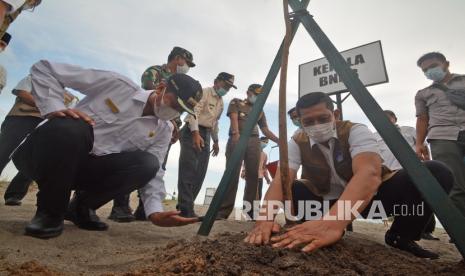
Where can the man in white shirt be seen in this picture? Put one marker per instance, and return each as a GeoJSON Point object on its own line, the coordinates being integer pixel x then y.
{"type": "Point", "coordinates": [341, 166]}
{"type": "Point", "coordinates": [111, 143]}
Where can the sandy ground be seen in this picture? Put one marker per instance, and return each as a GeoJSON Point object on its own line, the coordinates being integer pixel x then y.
{"type": "Point", "coordinates": [125, 246]}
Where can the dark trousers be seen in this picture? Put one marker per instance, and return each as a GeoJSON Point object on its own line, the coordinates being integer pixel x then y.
{"type": "Point", "coordinates": [452, 153]}
{"type": "Point", "coordinates": [251, 160]}
{"type": "Point", "coordinates": [193, 167]}
{"type": "Point", "coordinates": [14, 129]}
{"type": "Point", "coordinates": [123, 200]}
{"type": "Point", "coordinates": [393, 193]}
{"type": "Point", "coordinates": [56, 155]}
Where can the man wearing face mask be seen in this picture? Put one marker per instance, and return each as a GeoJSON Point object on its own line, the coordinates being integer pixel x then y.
{"type": "Point", "coordinates": [238, 112]}
{"type": "Point", "coordinates": [195, 142]}
{"type": "Point", "coordinates": [110, 144]}
{"type": "Point", "coordinates": [295, 119]}
{"type": "Point", "coordinates": [179, 61]}
{"type": "Point", "coordinates": [341, 166]}
{"type": "Point", "coordinates": [442, 120]}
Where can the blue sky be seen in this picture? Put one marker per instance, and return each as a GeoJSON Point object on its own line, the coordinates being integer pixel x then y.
{"type": "Point", "coordinates": [240, 37]}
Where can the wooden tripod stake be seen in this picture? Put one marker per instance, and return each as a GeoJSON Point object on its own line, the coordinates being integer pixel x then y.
{"type": "Point", "coordinates": [283, 152]}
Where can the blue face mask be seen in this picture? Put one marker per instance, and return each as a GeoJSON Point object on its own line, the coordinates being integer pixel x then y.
{"type": "Point", "coordinates": [435, 74]}
{"type": "Point", "coordinates": [221, 92]}
{"type": "Point", "coordinates": [263, 145]}
{"type": "Point", "coordinates": [296, 122]}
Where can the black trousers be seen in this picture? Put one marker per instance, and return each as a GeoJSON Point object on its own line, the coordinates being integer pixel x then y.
{"type": "Point", "coordinates": [14, 130]}
{"type": "Point", "coordinates": [56, 155]}
{"type": "Point", "coordinates": [394, 193]}
{"type": "Point", "coordinates": [193, 167]}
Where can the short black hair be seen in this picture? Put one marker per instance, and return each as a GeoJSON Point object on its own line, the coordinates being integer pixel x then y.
{"type": "Point", "coordinates": [313, 99]}
{"type": "Point", "coordinates": [390, 113]}
{"type": "Point", "coordinates": [431, 55]}
{"type": "Point", "coordinates": [291, 111]}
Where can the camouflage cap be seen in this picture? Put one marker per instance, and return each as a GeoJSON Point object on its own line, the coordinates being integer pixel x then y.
{"type": "Point", "coordinates": [188, 91]}
{"type": "Point", "coordinates": [178, 51]}
{"type": "Point", "coordinates": [255, 88]}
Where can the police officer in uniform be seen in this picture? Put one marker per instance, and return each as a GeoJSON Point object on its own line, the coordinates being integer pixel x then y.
{"type": "Point", "coordinates": [179, 61]}
{"type": "Point", "coordinates": [112, 143]}
{"type": "Point", "coordinates": [20, 121]}
{"type": "Point", "coordinates": [238, 112]}
{"type": "Point", "coordinates": [195, 142]}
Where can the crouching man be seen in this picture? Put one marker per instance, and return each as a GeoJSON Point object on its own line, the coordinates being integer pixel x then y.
{"type": "Point", "coordinates": [341, 167]}
{"type": "Point", "coordinates": [110, 144]}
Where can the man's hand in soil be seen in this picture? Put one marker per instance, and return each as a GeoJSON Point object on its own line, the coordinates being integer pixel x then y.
{"type": "Point", "coordinates": [171, 218]}
{"type": "Point", "coordinates": [262, 231]}
{"type": "Point", "coordinates": [73, 113]}
{"type": "Point", "coordinates": [313, 234]}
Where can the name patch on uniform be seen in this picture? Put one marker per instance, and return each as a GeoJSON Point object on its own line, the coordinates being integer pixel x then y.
{"type": "Point", "coordinates": [111, 105]}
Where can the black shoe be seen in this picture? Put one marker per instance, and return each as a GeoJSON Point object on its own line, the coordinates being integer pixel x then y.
{"type": "Point", "coordinates": [139, 214]}
{"type": "Point", "coordinates": [409, 246]}
{"type": "Point", "coordinates": [188, 213]}
{"type": "Point", "coordinates": [44, 226]}
{"type": "Point", "coordinates": [121, 214]}
{"type": "Point", "coordinates": [83, 217]}
{"type": "Point", "coordinates": [429, 236]}
{"type": "Point", "coordinates": [12, 201]}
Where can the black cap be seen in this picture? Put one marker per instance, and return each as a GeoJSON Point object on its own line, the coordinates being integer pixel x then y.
{"type": "Point", "coordinates": [188, 90]}
{"type": "Point", "coordinates": [178, 51]}
{"type": "Point", "coordinates": [226, 77]}
{"type": "Point", "coordinates": [6, 38]}
{"type": "Point", "coordinates": [255, 88]}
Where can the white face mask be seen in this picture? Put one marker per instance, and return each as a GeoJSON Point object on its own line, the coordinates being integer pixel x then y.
{"type": "Point", "coordinates": [165, 112]}
{"type": "Point", "coordinates": [252, 99]}
{"type": "Point", "coordinates": [320, 133]}
{"type": "Point", "coordinates": [182, 69]}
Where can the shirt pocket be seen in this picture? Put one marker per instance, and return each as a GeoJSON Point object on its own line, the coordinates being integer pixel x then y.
{"type": "Point", "coordinates": [143, 134]}
{"type": "Point", "coordinates": [103, 112]}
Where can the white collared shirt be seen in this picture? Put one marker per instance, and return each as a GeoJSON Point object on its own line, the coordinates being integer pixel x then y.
{"type": "Point", "coordinates": [361, 140]}
{"type": "Point", "coordinates": [116, 104]}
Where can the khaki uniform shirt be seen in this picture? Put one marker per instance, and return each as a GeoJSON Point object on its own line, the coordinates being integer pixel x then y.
{"type": "Point", "coordinates": [445, 119]}
{"type": "Point", "coordinates": [243, 109]}
{"type": "Point", "coordinates": [208, 111]}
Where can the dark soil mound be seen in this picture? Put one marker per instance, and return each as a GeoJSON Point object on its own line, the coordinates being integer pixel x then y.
{"type": "Point", "coordinates": [228, 255]}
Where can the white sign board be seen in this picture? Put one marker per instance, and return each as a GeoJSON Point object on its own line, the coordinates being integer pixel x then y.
{"type": "Point", "coordinates": [320, 76]}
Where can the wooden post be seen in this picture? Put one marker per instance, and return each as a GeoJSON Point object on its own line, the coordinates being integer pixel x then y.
{"type": "Point", "coordinates": [283, 152]}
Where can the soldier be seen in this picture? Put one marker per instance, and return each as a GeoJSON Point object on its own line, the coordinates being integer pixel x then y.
{"type": "Point", "coordinates": [238, 112]}
{"type": "Point", "coordinates": [20, 121]}
{"type": "Point", "coordinates": [179, 61]}
{"type": "Point", "coordinates": [110, 144]}
{"type": "Point", "coordinates": [195, 142]}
